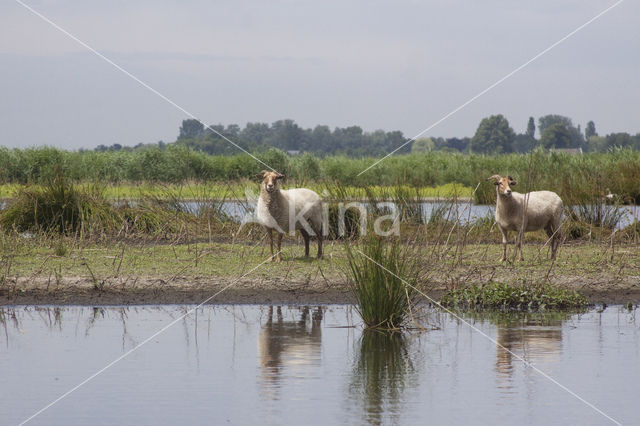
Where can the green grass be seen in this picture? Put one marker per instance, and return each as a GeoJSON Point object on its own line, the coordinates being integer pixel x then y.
{"type": "Point", "coordinates": [36, 258]}
{"type": "Point", "coordinates": [579, 178]}
{"type": "Point", "coordinates": [58, 206]}
{"type": "Point", "coordinates": [377, 275]}
{"type": "Point", "coordinates": [237, 189]}
{"type": "Point", "coordinates": [519, 297]}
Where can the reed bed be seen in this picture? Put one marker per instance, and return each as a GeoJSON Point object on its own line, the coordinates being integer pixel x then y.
{"type": "Point", "coordinates": [577, 178]}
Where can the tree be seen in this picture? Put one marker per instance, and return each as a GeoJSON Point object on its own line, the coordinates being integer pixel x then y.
{"type": "Point", "coordinates": [286, 135]}
{"type": "Point", "coordinates": [321, 139]}
{"type": "Point", "coordinates": [494, 135]}
{"type": "Point", "coordinates": [619, 140]}
{"type": "Point", "coordinates": [531, 128]}
{"type": "Point", "coordinates": [590, 130]}
{"type": "Point", "coordinates": [556, 136]}
{"type": "Point", "coordinates": [191, 129]}
{"type": "Point", "coordinates": [255, 133]}
{"type": "Point", "coordinates": [422, 145]}
{"type": "Point", "coordinates": [524, 143]}
{"type": "Point", "coordinates": [596, 144]}
{"type": "Point", "coordinates": [577, 139]}
{"type": "Point", "coordinates": [458, 144]}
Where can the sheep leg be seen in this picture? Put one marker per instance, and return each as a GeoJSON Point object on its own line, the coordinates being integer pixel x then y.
{"type": "Point", "coordinates": [319, 245]}
{"type": "Point", "coordinates": [305, 236]}
{"type": "Point", "coordinates": [279, 243]}
{"type": "Point", "coordinates": [554, 233]}
{"type": "Point", "coordinates": [504, 243]}
{"type": "Point", "coordinates": [270, 235]}
{"type": "Point", "coordinates": [317, 230]}
{"type": "Point", "coordinates": [558, 241]}
{"type": "Point", "coordinates": [519, 245]}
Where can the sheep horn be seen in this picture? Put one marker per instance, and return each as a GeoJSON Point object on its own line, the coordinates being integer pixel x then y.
{"type": "Point", "coordinates": [496, 177]}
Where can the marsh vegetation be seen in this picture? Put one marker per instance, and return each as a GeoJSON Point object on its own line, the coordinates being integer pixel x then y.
{"type": "Point", "coordinates": [61, 232]}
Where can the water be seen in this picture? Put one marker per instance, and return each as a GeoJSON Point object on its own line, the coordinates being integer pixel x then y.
{"type": "Point", "coordinates": [296, 365]}
{"type": "Point", "coordinates": [462, 212]}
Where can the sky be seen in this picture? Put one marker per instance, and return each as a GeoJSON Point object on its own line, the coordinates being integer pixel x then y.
{"type": "Point", "coordinates": [391, 65]}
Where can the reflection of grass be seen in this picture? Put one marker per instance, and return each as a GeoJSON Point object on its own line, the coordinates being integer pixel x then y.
{"type": "Point", "coordinates": [504, 296]}
{"type": "Point", "coordinates": [512, 319]}
{"type": "Point", "coordinates": [384, 367]}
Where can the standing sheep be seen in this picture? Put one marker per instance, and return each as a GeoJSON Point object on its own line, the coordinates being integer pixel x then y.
{"type": "Point", "coordinates": [527, 212]}
{"type": "Point", "coordinates": [287, 211]}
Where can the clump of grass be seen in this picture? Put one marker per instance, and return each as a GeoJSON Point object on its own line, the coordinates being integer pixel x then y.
{"type": "Point", "coordinates": [377, 274]}
{"type": "Point", "coordinates": [59, 206]}
{"type": "Point", "coordinates": [60, 248]}
{"type": "Point", "coordinates": [348, 227]}
{"type": "Point", "coordinates": [409, 205]}
{"type": "Point", "coordinates": [597, 213]}
{"type": "Point", "coordinates": [509, 297]}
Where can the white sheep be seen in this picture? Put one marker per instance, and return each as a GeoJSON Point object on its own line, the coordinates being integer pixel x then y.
{"type": "Point", "coordinates": [538, 210]}
{"type": "Point", "coordinates": [286, 211]}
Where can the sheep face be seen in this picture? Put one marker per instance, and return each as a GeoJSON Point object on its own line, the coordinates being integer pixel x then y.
{"type": "Point", "coordinates": [270, 180]}
{"type": "Point", "coordinates": [504, 184]}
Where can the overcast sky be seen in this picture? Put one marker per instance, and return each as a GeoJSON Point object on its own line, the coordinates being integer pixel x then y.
{"type": "Point", "coordinates": [392, 65]}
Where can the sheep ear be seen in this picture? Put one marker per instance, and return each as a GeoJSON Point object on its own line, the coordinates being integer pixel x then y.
{"type": "Point", "coordinates": [512, 181]}
{"type": "Point", "coordinates": [261, 174]}
{"type": "Point", "coordinates": [280, 176]}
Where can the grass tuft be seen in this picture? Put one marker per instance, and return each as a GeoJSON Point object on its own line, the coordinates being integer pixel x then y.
{"type": "Point", "coordinates": [59, 206]}
{"type": "Point", "coordinates": [383, 299]}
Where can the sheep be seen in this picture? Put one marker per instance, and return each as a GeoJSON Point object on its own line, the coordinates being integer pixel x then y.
{"type": "Point", "coordinates": [543, 211]}
{"type": "Point", "coordinates": [287, 211]}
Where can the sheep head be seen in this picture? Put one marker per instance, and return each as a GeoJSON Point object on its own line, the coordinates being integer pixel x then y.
{"type": "Point", "coordinates": [270, 180]}
{"type": "Point", "coordinates": [503, 184]}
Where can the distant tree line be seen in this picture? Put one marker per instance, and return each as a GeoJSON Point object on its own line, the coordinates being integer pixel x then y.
{"type": "Point", "coordinates": [494, 135]}
{"type": "Point", "coordinates": [286, 135]}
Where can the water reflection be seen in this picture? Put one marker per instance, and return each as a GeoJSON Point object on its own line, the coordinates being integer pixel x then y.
{"type": "Point", "coordinates": [269, 365]}
{"type": "Point", "coordinates": [384, 367]}
{"type": "Point", "coordinates": [537, 337]}
{"type": "Point", "coordinates": [53, 319]}
{"type": "Point", "coordinates": [287, 348]}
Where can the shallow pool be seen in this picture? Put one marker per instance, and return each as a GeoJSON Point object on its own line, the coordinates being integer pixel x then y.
{"type": "Point", "coordinates": [315, 365]}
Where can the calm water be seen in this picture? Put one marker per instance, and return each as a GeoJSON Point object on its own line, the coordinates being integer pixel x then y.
{"type": "Point", "coordinates": [462, 212]}
{"type": "Point", "coordinates": [296, 365]}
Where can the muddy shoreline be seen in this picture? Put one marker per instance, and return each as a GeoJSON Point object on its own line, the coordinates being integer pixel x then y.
{"type": "Point", "coordinates": [155, 291]}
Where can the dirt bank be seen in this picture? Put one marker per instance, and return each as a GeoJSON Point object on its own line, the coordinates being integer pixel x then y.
{"type": "Point", "coordinates": [218, 290]}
